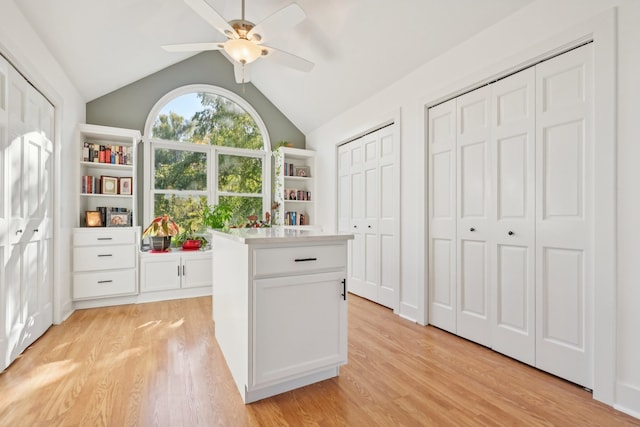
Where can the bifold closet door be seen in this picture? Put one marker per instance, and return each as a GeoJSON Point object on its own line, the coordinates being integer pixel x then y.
{"type": "Point", "coordinates": [443, 305]}
{"type": "Point", "coordinates": [513, 189]}
{"type": "Point", "coordinates": [368, 200]}
{"type": "Point", "coordinates": [564, 218]}
{"type": "Point", "coordinates": [475, 216]}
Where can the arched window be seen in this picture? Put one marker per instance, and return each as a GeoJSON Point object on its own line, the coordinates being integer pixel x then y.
{"type": "Point", "coordinates": [205, 145]}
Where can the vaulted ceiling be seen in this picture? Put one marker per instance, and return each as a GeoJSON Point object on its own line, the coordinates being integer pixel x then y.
{"type": "Point", "coordinates": [358, 46]}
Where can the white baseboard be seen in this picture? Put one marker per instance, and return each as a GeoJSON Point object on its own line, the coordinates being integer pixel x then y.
{"type": "Point", "coordinates": [409, 312]}
{"type": "Point", "coordinates": [628, 399]}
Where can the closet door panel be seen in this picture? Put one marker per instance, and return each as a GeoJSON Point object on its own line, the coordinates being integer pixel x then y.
{"type": "Point", "coordinates": [356, 208]}
{"type": "Point", "coordinates": [370, 150]}
{"type": "Point", "coordinates": [564, 217]}
{"type": "Point", "coordinates": [344, 189]}
{"type": "Point", "coordinates": [443, 216]}
{"type": "Point", "coordinates": [475, 224]}
{"type": "Point", "coordinates": [513, 187]}
{"type": "Point", "coordinates": [388, 205]}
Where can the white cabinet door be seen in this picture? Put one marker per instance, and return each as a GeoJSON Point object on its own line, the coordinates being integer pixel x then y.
{"type": "Point", "coordinates": [161, 272]}
{"type": "Point", "coordinates": [513, 189]}
{"type": "Point", "coordinates": [196, 271]}
{"type": "Point", "coordinates": [475, 224]}
{"type": "Point", "coordinates": [317, 338]}
{"type": "Point", "coordinates": [564, 219]}
{"type": "Point", "coordinates": [443, 217]}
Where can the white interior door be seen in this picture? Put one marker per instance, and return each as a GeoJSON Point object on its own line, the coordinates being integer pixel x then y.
{"type": "Point", "coordinates": [475, 224]}
{"type": "Point", "coordinates": [368, 204]}
{"type": "Point", "coordinates": [443, 216]}
{"type": "Point", "coordinates": [4, 188]}
{"type": "Point", "coordinates": [513, 187]}
{"type": "Point", "coordinates": [371, 189]}
{"type": "Point", "coordinates": [388, 201]}
{"type": "Point", "coordinates": [356, 282]}
{"type": "Point", "coordinates": [28, 265]}
{"type": "Point", "coordinates": [564, 219]}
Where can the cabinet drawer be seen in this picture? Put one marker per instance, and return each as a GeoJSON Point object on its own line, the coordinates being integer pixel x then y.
{"type": "Point", "coordinates": [104, 236]}
{"type": "Point", "coordinates": [104, 283]}
{"type": "Point", "coordinates": [106, 257]}
{"type": "Point", "coordinates": [299, 259]}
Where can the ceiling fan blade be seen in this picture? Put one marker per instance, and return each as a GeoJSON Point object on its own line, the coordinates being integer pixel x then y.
{"type": "Point", "coordinates": [202, 8]}
{"type": "Point", "coordinates": [242, 72]}
{"type": "Point", "coordinates": [288, 59]}
{"type": "Point", "coordinates": [278, 22]}
{"type": "Point", "coordinates": [192, 47]}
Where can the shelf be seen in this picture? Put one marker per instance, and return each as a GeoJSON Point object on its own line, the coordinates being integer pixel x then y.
{"type": "Point", "coordinates": [123, 196]}
{"type": "Point", "coordinates": [298, 178]}
{"type": "Point", "coordinates": [114, 166]}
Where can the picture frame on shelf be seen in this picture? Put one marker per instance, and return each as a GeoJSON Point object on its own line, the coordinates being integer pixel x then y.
{"type": "Point", "coordinates": [92, 219]}
{"type": "Point", "coordinates": [302, 171]}
{"type": "Point", "coordinates": [125, 186]}
{"type": "Point", "coordinates": [109, 184]}
{"type": "Point", "coordinates": [118, 219]}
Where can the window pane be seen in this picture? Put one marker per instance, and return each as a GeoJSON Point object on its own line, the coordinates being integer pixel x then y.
{"type": "Point", "coordinates": [207, 118]}
{"type": "Point", "coordinates": [180, 170]}
{"type": "Point", "coordinates": [242, 207]}
{"type": "Point", "coordinates": [184, 210]}
{"type": "Point", "coordinates": [239, 174]}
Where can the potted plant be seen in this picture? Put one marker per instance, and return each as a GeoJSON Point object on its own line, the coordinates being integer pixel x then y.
{"type": "Point", "coordinates": [217, 216]}
{"type": "Point", "coordinates": [160, 231]}
{"type": "Point", "coordinates": [190, 241]}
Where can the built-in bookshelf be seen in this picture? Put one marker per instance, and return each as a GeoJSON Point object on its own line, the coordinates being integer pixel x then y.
{"type": "Point", "coordinates": [107, 179]}
{"type": "Point", "coordinates": [295, 187]}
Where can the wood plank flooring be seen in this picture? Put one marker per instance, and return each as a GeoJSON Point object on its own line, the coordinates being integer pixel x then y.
{"type": "Point", "coordinates": [158, 364]}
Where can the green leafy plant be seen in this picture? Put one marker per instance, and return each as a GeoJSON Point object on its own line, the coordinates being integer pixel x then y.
{"type": "Point", "coordinates": [217, 216]}
{"type": "Point", "coordinates": [161, 226]}
{"type": "Point", "coordinates": [185, 235]}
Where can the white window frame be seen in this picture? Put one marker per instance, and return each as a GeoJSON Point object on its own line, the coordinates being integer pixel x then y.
{"type": "Point", "coordinates": [150, 144]}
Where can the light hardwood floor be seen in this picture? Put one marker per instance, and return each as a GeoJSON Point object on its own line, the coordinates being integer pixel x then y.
{"type": "Point", "coordinates": [159, 364]}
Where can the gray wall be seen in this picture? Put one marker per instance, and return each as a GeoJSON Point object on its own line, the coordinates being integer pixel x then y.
{"type": "Point", "coordinates": [129, 106]}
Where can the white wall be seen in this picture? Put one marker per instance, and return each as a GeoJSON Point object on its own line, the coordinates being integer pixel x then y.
{"type": "Point", "coordinates": [24, 49]}
{"type": "Point", "coordinates": [499, 48]}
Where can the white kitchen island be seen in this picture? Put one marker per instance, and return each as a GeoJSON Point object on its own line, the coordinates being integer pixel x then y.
{"type": "Point", "coordinates": [280, 307]}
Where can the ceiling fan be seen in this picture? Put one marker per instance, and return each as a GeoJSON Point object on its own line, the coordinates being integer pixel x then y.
{"type": "Point", "coordinates": [245, 39]}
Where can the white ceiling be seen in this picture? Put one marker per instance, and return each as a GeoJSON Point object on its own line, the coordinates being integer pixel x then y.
{"type": "Point", "coordinates": [358, 46]}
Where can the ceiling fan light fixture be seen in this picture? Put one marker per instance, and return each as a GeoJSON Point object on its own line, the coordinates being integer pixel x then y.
{"type": "Point", "coordinates": [242, 50]}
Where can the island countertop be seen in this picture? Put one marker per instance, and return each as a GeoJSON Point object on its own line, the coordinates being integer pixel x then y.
{"type": "Point", "coordinates": [279, 235]}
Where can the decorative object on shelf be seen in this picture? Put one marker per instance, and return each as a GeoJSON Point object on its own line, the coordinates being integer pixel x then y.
{"type": "Point", "coordinates": [109, 184]}
{"type": "Point", "coordinates": [302, 171]}
{"type": "Point", "coordinates": [93, 219]}
{"type": "Point", "coordinates": [118, 219]}
{"type": "Point", "coordinates": [190, 241]}
{"type": "Point", "coordinates": [252, 222]}
{"type": "Point", "coordinates": [217, 216]}
{"type": "Point", "coordinates": [160, 232]}
{"type": "Point", "coordinates": [125, 185]}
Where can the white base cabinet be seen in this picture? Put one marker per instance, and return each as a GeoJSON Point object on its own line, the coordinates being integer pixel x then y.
{"type": "Point", "coordinates": [280, 310]}
{"type": "Point", "coordinates": [104, 262]}
{"type": "Point", "coordinates": [175, 270]}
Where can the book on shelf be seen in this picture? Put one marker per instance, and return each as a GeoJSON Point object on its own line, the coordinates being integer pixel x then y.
{"type": "Point", "coordinates": [295, 194]}
{"type": "Point", "coordinates": [295, 218]}
{"type": "Point", "coordinates": [110, 154]}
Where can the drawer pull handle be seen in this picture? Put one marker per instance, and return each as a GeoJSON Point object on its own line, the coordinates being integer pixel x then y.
{"type": "Point", "coordinates": [305, 259]}
{"type": "Point", "coordinates": [344, 289]}
{"type": "Point", "coordinates": [105, 281]}
{"type": "Point", "coordinates": [184, 273]}
{"type": "Point", "coordinates": [104, 255]}
{"type": "Point", "coordinates": [105, 238]}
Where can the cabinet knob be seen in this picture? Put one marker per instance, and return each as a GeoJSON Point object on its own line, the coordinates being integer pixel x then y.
{"type": "Point", "coordinates": [368, 226]}
{"type": "Point", "coordinates": [355, 226]}
{"type": "Point", "coordinates": [19, 231]}
{"type": "Point", "coordinates": [472, 229]}
{"type": "Point", "coordinates": [510, 233]}
{"type": "Point", "coordinates": [35, 230]}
